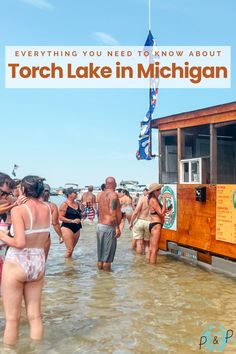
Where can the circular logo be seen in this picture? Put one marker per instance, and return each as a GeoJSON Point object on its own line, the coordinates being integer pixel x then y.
{"type": "Point", "coordinates": [234, 198]}
{"type": "Point", "coordinates": [215, 336]}
{"type": "Point", "coordinates": [171, 206]}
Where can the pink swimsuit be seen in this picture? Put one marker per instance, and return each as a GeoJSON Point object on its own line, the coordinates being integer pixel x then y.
{"type": "Point", "coordinates": [32, 260]}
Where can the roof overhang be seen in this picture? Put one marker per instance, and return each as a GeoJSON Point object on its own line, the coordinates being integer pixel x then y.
{"type": "Point", "coordinates": [215, 114]}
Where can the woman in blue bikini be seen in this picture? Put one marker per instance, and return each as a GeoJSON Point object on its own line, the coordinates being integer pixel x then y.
{"type": "Point", "coordinates": [157, 213]}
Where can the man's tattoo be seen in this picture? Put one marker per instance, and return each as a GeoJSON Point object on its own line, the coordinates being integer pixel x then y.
{"type": "Point", "coordinates": [113, 204]}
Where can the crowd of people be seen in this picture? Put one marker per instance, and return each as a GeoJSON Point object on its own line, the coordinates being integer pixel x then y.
{"type": "Point", "coordinates": [26, 217]}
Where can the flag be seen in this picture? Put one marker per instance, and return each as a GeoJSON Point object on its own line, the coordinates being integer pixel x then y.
{"type": "Point", "coordinates": [144, 151]}
{"type": "Point", "coordinates": [14, 170]}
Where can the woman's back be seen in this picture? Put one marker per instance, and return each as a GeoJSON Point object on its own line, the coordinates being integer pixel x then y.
{"type": "Point", "coordinates": [125, 201]}
{"type": "Point", "coordinates": [24, 265]}
{"type": "Point", "coordinates": [155, 209]}
{"type": "Point", "coordinates": [36, 216]}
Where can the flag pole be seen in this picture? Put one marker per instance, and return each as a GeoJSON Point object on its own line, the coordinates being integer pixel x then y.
{"type": "Point", "coordinates": [150, 130]}
{"type": "Point", "coordinates": [150, 98]}
{"type": "Point", "coordinates": [150, 94]}
{"type": "Point", "coordinates": [149, 14]}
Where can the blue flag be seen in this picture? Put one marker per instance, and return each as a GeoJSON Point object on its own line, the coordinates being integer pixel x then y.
{"type": "Point", "coordinates": [144, 151]}
{"type": "Point", "coordinates": [14, 170]}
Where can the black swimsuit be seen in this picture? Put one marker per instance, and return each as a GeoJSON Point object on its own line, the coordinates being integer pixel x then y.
{"type": "Point", "coordinates": [152, 224]}
{"type": "Point", "coordinates": [72, 214]}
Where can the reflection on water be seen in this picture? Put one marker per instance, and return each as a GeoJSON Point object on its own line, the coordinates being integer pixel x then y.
{"type": "Point", "coordinates": [135, 309]}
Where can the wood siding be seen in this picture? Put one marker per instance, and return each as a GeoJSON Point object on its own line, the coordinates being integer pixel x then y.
{"type": "Point", "coordinates": [196, 223]}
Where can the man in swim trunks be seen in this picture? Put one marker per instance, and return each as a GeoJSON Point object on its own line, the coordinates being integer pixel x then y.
{"type": "Point", "coordinates": [141, 234]}
{"type": "Point", "coordinates": [108, 225]}
{"type": "Point", "coordinates": [89, 202]}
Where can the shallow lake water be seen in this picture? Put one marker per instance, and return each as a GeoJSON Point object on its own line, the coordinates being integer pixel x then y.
{"type": "Point", "coordinates": [137, 308]}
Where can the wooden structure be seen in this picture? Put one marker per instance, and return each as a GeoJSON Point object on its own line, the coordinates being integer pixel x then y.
{"type": "Point", "coordinates": [198, 149]}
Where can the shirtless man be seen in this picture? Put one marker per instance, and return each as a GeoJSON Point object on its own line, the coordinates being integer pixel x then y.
{"type": "Point", "coordinates": [6, 187]}
{"type": "Point", "coordinates": [89, 202]}
{"type": "Point", "coordinates": [141, 234]}
{"type": "Point", "coordinates": [108, 225]}
{"type": "Point", "coordinates": [6, 200]}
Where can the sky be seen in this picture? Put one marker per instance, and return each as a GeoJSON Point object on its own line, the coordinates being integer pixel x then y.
{"type": "Point", "coordinates": [82, 136]}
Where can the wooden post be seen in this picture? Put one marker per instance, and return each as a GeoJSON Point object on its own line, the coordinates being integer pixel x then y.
{"type": "Point", "coordinates": [213, 154]}
{"type": "Point", "coordinates": [179, 142]}
{"type": "Point", "coordinates": [160, 156]}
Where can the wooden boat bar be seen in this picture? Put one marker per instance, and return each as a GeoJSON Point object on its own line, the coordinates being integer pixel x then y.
{"type": "Point", "coordinates": [197, 155]}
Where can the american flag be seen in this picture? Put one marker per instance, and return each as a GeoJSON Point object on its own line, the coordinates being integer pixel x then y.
{"type": "Point", "coordinates": [144, 151]}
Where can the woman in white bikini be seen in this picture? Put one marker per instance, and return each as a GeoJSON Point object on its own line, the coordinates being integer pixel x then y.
{"type": "Point", "coordinates": [127, 208]}
{"type": "Point", "coordinates": [24, 266]}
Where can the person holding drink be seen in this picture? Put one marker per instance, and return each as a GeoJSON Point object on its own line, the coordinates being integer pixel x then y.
{"type": "Point", "coordinates": [6, 186]}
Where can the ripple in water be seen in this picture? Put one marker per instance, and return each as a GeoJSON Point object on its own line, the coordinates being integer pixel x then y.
{"type": "Point", "coordinates": [137, 308]}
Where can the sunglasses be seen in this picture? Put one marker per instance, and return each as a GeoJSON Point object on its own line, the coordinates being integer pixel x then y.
{"type": "Point", "coordinates": [4, 193]}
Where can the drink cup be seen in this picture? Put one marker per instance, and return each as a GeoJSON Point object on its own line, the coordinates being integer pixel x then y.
{"type": "Point", "coordinates": [3, 227]}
